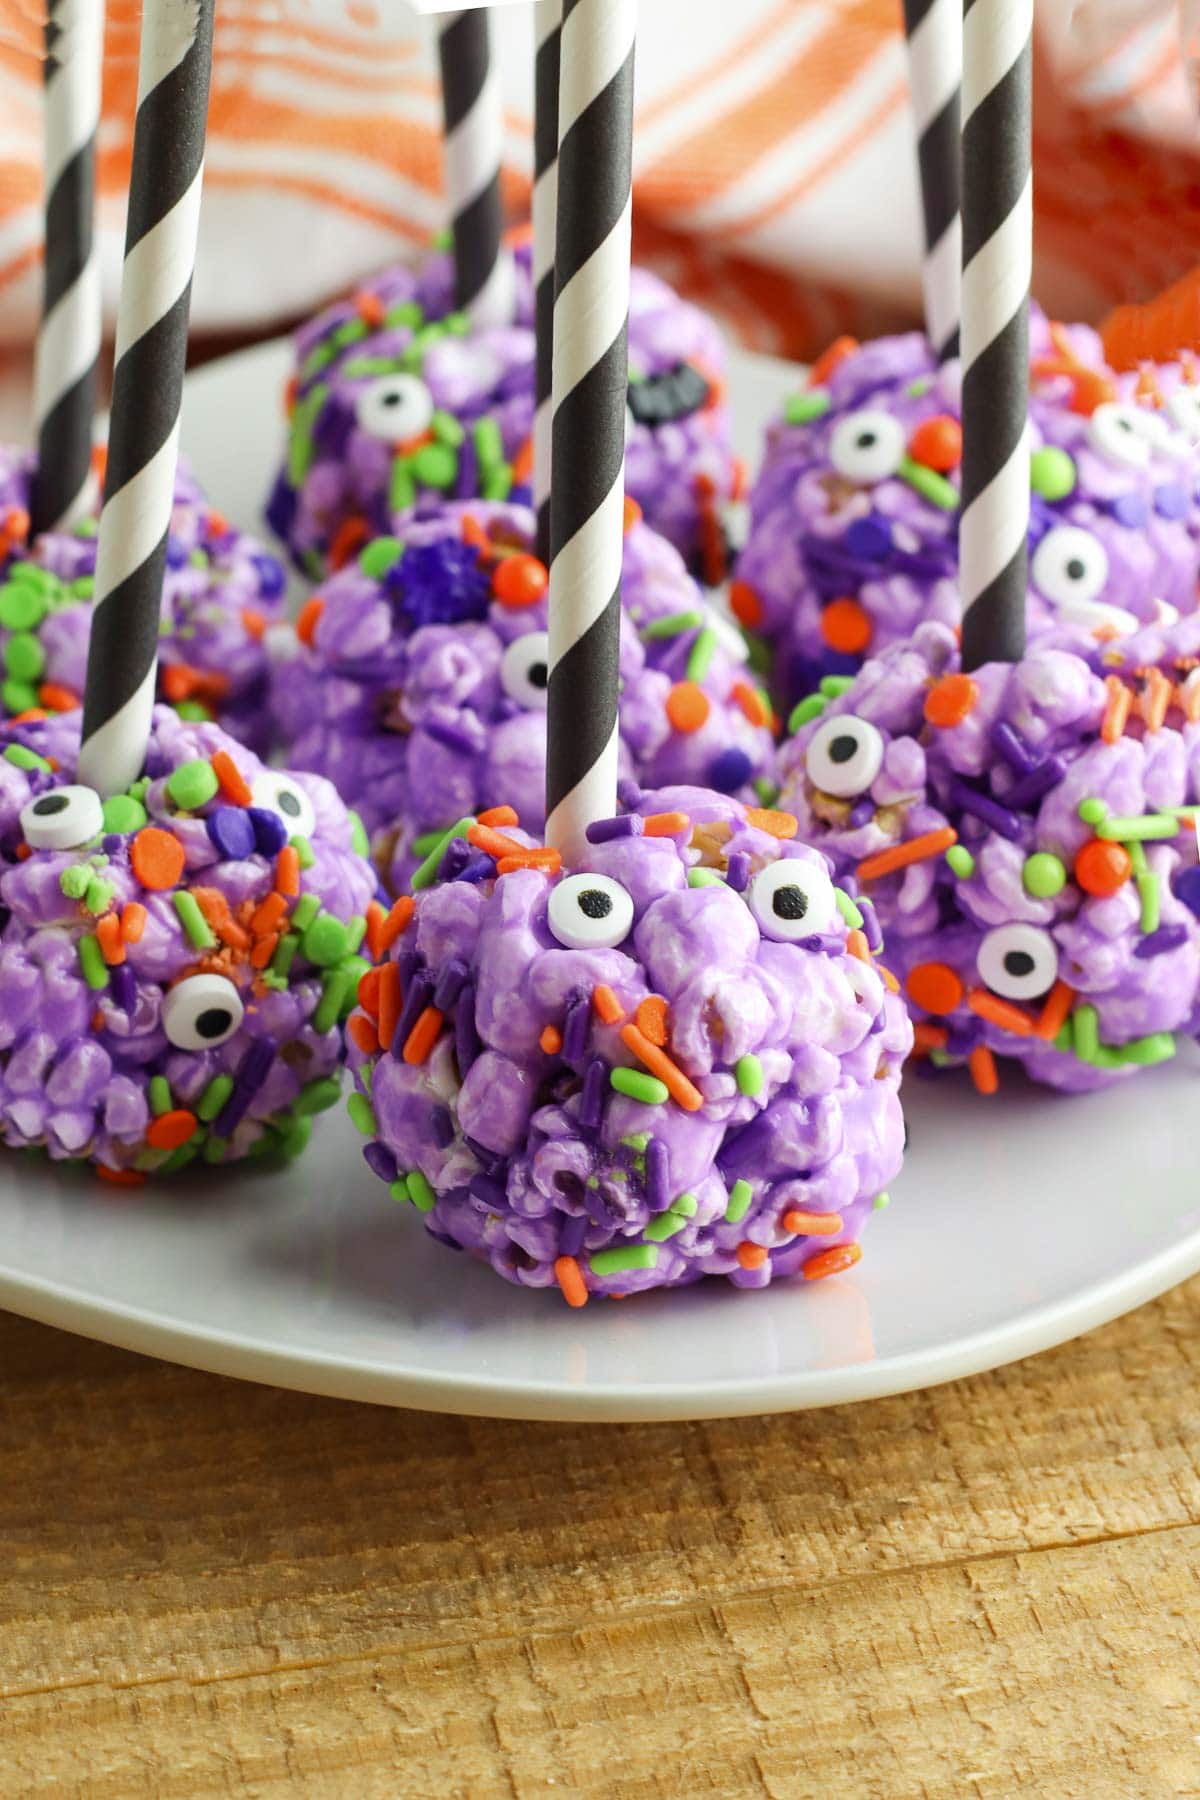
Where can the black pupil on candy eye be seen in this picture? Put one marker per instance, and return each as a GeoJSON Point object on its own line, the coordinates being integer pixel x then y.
{"type": "Point", "coordinates": [288, 803]}
{"type": "Point", "coordinates": [842, 749]}
{"type": "Point", "coordinates": [1018, 963]}
{"type": "Point", "coordinates": [392, 398]}
{"type": "Point", "coordinates": [539, 675]}
{"type": "Point", "coordinates": [595, 903]}
{"type": "Point", "coordinates": [864, 440]}
{"type": "Point", "coordinates": [1076, 569]}
{"type": "Point", "coordinates": [214, 1022]}
{"type": "Point", "coordinates": [50, 803]}
{"type": "Point", "coordinates": [790, 902]}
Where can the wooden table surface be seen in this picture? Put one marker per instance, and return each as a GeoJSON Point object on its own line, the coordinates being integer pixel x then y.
{"type": "Point", "coordinates": [986, 1589]}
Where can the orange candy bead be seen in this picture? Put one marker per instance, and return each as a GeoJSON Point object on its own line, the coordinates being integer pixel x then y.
{"type": "Point", "coordinates": [950, 700]}
{"type": "Point", "coordinates": [934, 987]}
{"type": "Point", "coordinates": [1102, 867]}
{"type": "Point", "coordinates": [520, 580]}
{"type": "Point", "coordinates": [687, 706]}
{"type": "Point", "coordinates": [846, 626]}
{"type": "Point", "coordinates": [937, 443]}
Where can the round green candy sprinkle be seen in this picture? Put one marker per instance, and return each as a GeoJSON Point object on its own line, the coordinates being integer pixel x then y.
{"type": "Point", "coordinates": [198, 558]}
{"type": "Point", "coordinates": [809, 708]}
{"type": "Point", "coordinates": [637, 1085]}
{"type": "Point", "coordinates": [881, 1201]}
{"type": "Point", "coordinates": [17, 696]}
{"type": "Point", "coordinates": [1043, 875]}
{"type": "Point", "coordinates": [318, 1096]}
{"type": "Point", "coordinates": [192, 785]}
{"type": "Point", "coordinates": [1092, 811]}
{"type": "Point", "coordinates": [802, 409]}
{"type": "Point", "coordinates": [24, 657]}
{"type": "Point", "coordinates": [1052, 473]}
{"type": "Point", "coordinates": [420, 1192]}
{"type": "Point", "coordinates": [22, 606]}
{"type": "Point", "coordinates": [123, 814]}
{"type": "Point", "coordinates": [379, 556]}
{"type": "Point", "coordinates": [326, 941]}
{"type": "Point", "coordinates": [75, 880]}
{"type": "Point", "coordinates": [435, 466]}
{"type": "Point", "coordinates": [748, 1075]}
{"type": "Point", "coordinates": [362, 1114]}
{"type": "Point", "coordinates": [960, 861]}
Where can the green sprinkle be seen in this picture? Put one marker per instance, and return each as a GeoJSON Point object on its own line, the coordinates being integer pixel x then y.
{"type": "Point", "coordinates": [810, 708]}
{"type": "Point", "coordinates": [355, 367]}
{"type": "Point", "coordinates": [194, 711]}
{"type": "Point", "coordinates": [767, 791]}
{"type": "Point", "coordinates": [740, 1196]}
{"type": "Point", "coordinates": [426, 873]}
{"type": "Point", "coordinates": [685, 1205]}
{"type": "Point", "coordinates": [702, 652]}
{"type": "Point", "coordinates": [214, 1097]}
{"type": "Point", "coordinates": [880, 1202]}
{"type": "Point", "coordinates": [1052, 473]}
{"type": "Point", "coordinates": [88, 527]}
{"type": "Point", "coordinates": [802, 409]}
{"type": "Point", "coordinates": [489, 444]}
{"type": "Point", "coordinates": [1092, 811]}
{"type": "Point", "coordinates": [616, 1262]}
{"type": "Point", "coordinates": [193, 920]}
{"type": "Point", "coordinates": [99, 896]}
{"type": "Point", "coordinates": [834, 686]}
{"type": "Point", "coordinates": [326, 941]}
{"type": "Point", "coordinates": [336, 988]}
{"type": "Point", "coordinates": [408, 314]}
{"type": "Point", "coordinates": [749, 1076]}
{"type": "Point", "coordinates": [447, 429]}
{"type": "Point", "coordinates": [17, 696]}
{"type": "Point", "coordinates": [180, 1157]}
{"type": "Point", "coordinates": [314, 564]}
{"type": "Point", "coordinates": [295, 1136]}
{"type": "Point", "coordinates": [362, 1114]}
{"type": "Point", "coordinates": [1043, 875]}
{"type": "Point", "coordinates": [428, 840]}
{"type": "Point", "coordinates": [414, 354]}
{"type": "Point", "coordinates": [1149, 825]}
{"type": "Point", "coordinates": [1158, 1047]}
{"type": "Point", "coordinates": [960, 861]}
{"type": "Point", "coordinates": [305, 911]}
{"type": "Point", "coordinates": [1147, 887]}
{"type": "Point", "coordinates": [697, 878]}
{"type": "Point", "coordinates": [75, 880]}
{"type": "Point", "coordinates": [380, 556]}
{"type": "Point", "coordinates": [192, 785]}
{"type": "Point", "coordinates": [22, 606]}
{"type": "Point", "coordinates": [318, 358]}
{"type": "Point", "coordinates": [82, 588]}
{"type": "Point", "coordinates": [356, 931]}
{"type": "Point", "coordinates": [358, 833]}
{"type": "Point", "coordinates": [198, 558]}
{"type": "Point", "coordinates": [1137, 858]}
{"type": "Point", "coordinates": [22, 758]}
{"type": "Point", "coordinates": [402, 489]}
{"type": "Point", "coordinates": [350, 331]}
{"type": "Point", "coordinates": [672, 625]}
{"type": "Point", "coordinates": [398, 1191]}
{"type": "Point", "coordinates": [300, 448]}
{"type": "Point", "coordinates": [214, 1150]}
{"type": "Point", "coordinates": [929, 484]}
{"type": "Point", "coordinates": [435, 466]}
{"type": "Point", "coordinates": [850, 913]}
{"type": "Point", "coordinates": [354, 968]}
{"type": "Point", "coordinates": [497, 483]}
{"type": "Point", "coordinates": [318, 1096]}
{"type": "Point", "coordinates": [285, 954]}
{"type": "Point", "coordinates": [420, 1192]}
{"type": "Point", "coordinates": [161, 1100]}
{"type": "Point", "coordinates": [304, 851]}
{"type": "Point", "coordinates": [919, 387]}
{"type": "Point", "coordinates": [637, 1140]}
{"type": "Point", "coordinates": [91, 962]}
{"type": "Point", "coordinates": [123, 814]}
{"type": "Point", "coordinates": [1088, 1047]}
{"type": "Point", "coordinates": [664, 1227]}
{"type": "Point", "coordinates": [276, 983]}
{"type": "Point", "coordinates": [637, 1085]}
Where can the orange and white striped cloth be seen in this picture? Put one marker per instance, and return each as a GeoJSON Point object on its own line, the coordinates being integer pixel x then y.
{"type": "Point", "coordinates": [775, 177]}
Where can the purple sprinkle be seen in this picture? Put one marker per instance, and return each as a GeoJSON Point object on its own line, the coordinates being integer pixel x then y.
{"type": "Point", "coordinates": [466, 481]}
{"type": "Point", "coordinates": [996, 817]}
{"type": "Point", "coordinates": [571, 1234]}
{"type": "Point", "coordinates": [480, 868]}
{"type": "Point", "coordinates": [730, 770]}
{"type": "Point", "coordinates": [417, 995]}
{"type": "Point", "coordinates": [454, 737]}
{"type": "Point", "coordinates": [737, 873]}
{"type": "Point", "coordinates": [487, 1190]}
{"type": "Point", "coordinates": [628, 792]}
{"type": "Point", "coordinates": [271, 578]}
{"type": "Point", "coordinates": [177, 553]}
{"type": "Point", "coordinates": [658, 1175]}
{"type": "Point", "coordinates": [591, 1100]}
{"type": "Point", "coordinates": [1157, 943]}
{"type": "Point", "coordinates": [870, 537]}
{"type": "Point", "coordinates": [466, 1038]}
{"type": "Point", "coordinates": [1186, 888]}
{"type": "Point", "coordinates": [870, 925]}
{"type": "Point", "coordinates": [380, 1161]}
{"type": "Point", "coordinates": [824, 943]}
{"type": "Point", "coordinates": [1012, 748]}
{"type": "Point", "coordinates": [441, 1127]}
{"type": "Point", "coordinates": [1038, 782]}
{"type": "Point", "coordinates": [123, 988]}
{"type": "Point", "coordinates": [270, 832]}
{"type": "Point", "coordinates": [1170, 501]}
{"type": "Point", "coordinates": [861, 813]}
{"type": "Point", "coordinates": [113, 841]}
{"type": "Point", "coordinates": [575, 1028]}
{"type": "Point", "coordinates": [457, 854]}
{"type": "Point", "coordinates": [252, 1072]}
{"type": "Point", "coordinates": [450, 984]}
{"type": "Point", "coordinates": [603, 831]}
{"type": "Point", "coordinates": [408, 962]}
{"type": "Point", "coordinates": [488, 1160]}
{"type": "Point", "coordinates": [1130, 510]}
{"type": "Point", "coordinates": [850, 886]}
{"type": "Point", "coordinates": [231, 833]}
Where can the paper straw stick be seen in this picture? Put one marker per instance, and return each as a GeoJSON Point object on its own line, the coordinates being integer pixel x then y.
{"type": "Point", "coordinates": [474, 140]}
{"type": "Point", "coordinates": [997, 263]}
{"type": "Point", "coordinates": [68, 344]}
{"type": "Point", "coordinates": [933, 30]}
{"type": "Point", "coordinates": [547, 32]}
{"type": "Point", "coordinates": [591, 372]}
{"type": "Point", "coordinates": [175, 63]}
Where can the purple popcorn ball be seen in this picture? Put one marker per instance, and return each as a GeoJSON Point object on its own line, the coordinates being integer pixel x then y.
{"type": "Point", "coordinates": [1024, 838]}
{"type": "Point", "coordinates": [660, 1078]}
{"type": "Point", "coordinates": [161, 1000]}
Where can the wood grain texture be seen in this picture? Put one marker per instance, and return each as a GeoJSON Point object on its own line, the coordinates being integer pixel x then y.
{"type": "Point", "coordinates": [986, 1590]}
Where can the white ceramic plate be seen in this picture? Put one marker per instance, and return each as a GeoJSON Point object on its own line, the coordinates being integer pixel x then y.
{"type": "Point", "coordinates": [1017, 1223]}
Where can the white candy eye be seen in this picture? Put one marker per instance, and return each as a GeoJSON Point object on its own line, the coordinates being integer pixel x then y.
{"type": "Point", "coordinates": [1018, 962]}
{"type": "Point", "coordinates": [844, 757]}
{"type": "Point", "coordinates": [525, 670]}
{"type": "Point", "coordinates": [201, 1012]}
{"type": "Point", "coordinates": [792, 899]}
{"type": "Point", "coordinates": [1118, 431]}
{"type": "Point", "coordinates": [867, 446]}
{"type": "Point", "coordinates": [62, 819]}
{"type": "Point", "coordinates": [1069, 564]}
{"type": "Point", "coordinates": [1183, 408]}
{"type": "Point", "coordinates": [279, 794]}
{"type": "Point", "coordinates": [395, 407]}
{"type": "Point", "coordinates": [590, 912]}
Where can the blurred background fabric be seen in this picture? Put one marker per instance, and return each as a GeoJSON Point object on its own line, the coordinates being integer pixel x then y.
{"type": "Point", "coordinates": [775, 177]}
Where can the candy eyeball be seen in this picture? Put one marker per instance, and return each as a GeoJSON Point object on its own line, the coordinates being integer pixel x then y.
{"type": "Point", "coordinates": [1183, 409]}
{"type": "Point", "coordinates": [1118, 430]}
{"type": "Point", "coordinates": [201, 1012]}
{"type": "Point", "coordinates": [525, 670]}
{"type": "Point", "coordinates": [1018, 962]}
{"type": "Point", "coordinates": [792, 900]}
{"type": "Point", "coordinates": [867, 446]}
{"type": "Point", "coordinates": [590, 912]}
{"type": "Point", "coordinates": [844, 756]}
{"type": "Point", "coordinates": [63, 818]}
{"type": "Point", "coordinates": [279, 794]}
{"type": "Point", "coordinates": [1070, 564]}
{"type": "Point", "coordinates": [395, 407]}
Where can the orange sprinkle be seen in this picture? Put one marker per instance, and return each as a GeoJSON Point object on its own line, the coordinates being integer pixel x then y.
{"type": "Point", "coordinates": [120, 1177]}
{"type": "Point", "coordinates": [98, 1021]}
{"type": "Point", "coordinates": [834, 1261]}
{"type": "Point", "coordinates": [934, 987]}
{"type": "Point", "coordinates": [179, 681]}
{"type": "Point", "coordinates": [777, 824]}
{"type": "Point", "coordinates": [1155, 700]}
{"type": "Point", "coordinates": [918, 849]}
{"type": "Point", "coordinates": [375, 916]}
{"type": "Point", "coordinates": [632, 515]}
{"type": "Point", "coordinates": [171, 1129]}
{"type": "Point", "coordinates": [550, 1041]}
{"type": "Point", "coordinates": [687, 706]}
{"type": "Point", "coordinates": [745, 605]}
{"type": "Point", "coordinates": [362, 1033]}
{"type": "Point", "coordinates": [1090, 389]}
{"type": "Point", "coordinates": [254, 623]}
{"type": "Point", "coordinates": [812, 1224]}
{"type": "Point", "coordinates": [268, 914]}
{"type": "Point", "coordinates": [108, 936]}
{"type": "Point", "coordinates": [369, 307]}
{"type": "Point", "coordinates": [494, 843]}
{"type": "Point", "coordinates": [157, 857]}
{"type": "Point", "coordinates": [347, 541]}
{"type": "Point", "coordinates": [751, 1256]}
{"type": "Point", "coordinates": [287, 872]}
{"type": "Point", "coordinates": [1188, 701]}
{"type": "Point", "coordinates": [498, 815]}
{"type": "Point", "coordinates": [230, 779]}
{"type": "Point", "coordinates": [651, 1018]}
{"type": "Point", "coordinates": [950, 700]}
{"type": "Point", "coordinates": [846, 626]}
{"type": "Point", "coordinates": [368, 992]}
{"type": "Point", "coordinates": [423, 1036]}
{"type": "Point", "coordinates": [133, 921]}
{"type": "Point", "coordinates": [982, 1065]}
{"type": "Point", "coordinates": [605, 1005]}
{"type": "Point", "coordinates": [23, 852]}
{"type": "Point", "coordinates": [58, 698]}
{"type": "Point", "coordinates": [390, 1003]}
{"type": "Point", "coordinates": [1055, 1011]}
{"type": "Point", "coordinates": [888, 979]}
{"type": "Point", "coordinates": [827, 362]}
{"type": "Point", "coordinates": [472, 532]}
{"type": "Point", "coordinates": [681, 1090]}
{"type": "Point", "coordinates": [750, 701]}
{"type": "Point", "coordinates": [264, 949]}
{"type": "Point", "coordinates": [396, 922]}
{"type": "Point", "coordinates": [668, 824]}
{"type": "Point", "coordinates": [998, 1011]}
{"type": "Point", "coordinates": [1116, 710]}
{"type": "Point", "coordinates": [522, 462]}
{"type": "Point", "coordinates": [306, 619]}
{"type": "Point", "coordinates": [1102, 867]}
{"type": "Point", "coordinates": [32, 715]}
{"type": "Point", "coordinates": [569, 1276]}
{"type": "Point", "coordinates": [929, 1037]}
{"type": "Point", "coordinates": [857, 945]}
{"type": "Point", "coordinates": [548, 862]}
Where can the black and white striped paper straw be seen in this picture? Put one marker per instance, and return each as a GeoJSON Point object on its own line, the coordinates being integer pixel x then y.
{"type": "Point", "coordinates": [591, 371]}
{"type": "Point", "coordinates": [68, 344]}
{"type": "Point", "coordinates": [547, 32]}
{"type": "Point", "coordinates": [933, 30]}
{"type": "Point", "coordinates": [997, 265]}
{"type": "Point", "coordinates": [473, 149]}
{"type": "Point", "coordinates": [175, 64]}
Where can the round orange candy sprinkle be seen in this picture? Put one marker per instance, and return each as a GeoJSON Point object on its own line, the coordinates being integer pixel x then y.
{"type": "Point", "coordinates": [1102, 867]}
{"type": "Point", "coordinates": [745, 605]}
{"type": "Point", "coordinates": [171, 1129]}
{"type": "Point", "coordinates": [519, 580]}
{"type": "Point", "coordinates": [937, 443]}
{"type": "Point", "coordinates": [633, 513]}
{"type": "Point", "coordinates": [950, 700]}
{"type": "Point", "coordinates": [846, 626]}
{"type": "Point", "coordinates": [157, 857]}
{"type": "Point", "coordinates": [934, 987]}
{"type": "Point", "coordinates": [651, 1019]}
{"type": "Point", "coordinates": [687, 706]}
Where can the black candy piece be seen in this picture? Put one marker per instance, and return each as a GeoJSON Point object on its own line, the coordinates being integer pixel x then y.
{"type": "Point", "coordinates": [675, 394]}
